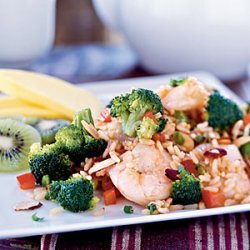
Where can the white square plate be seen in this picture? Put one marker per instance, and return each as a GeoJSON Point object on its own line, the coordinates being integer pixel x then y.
{"type": "Point", "coordinates": [19, 224]}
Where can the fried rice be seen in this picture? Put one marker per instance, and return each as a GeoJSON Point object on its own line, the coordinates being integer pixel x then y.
{"type": "Point", "coordinates": [224, 174]}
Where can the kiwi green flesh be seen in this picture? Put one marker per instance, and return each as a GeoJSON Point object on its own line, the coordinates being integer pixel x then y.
{"type": "Point", "coordinates": [48, 129]}
{"type": "Point", "coordinates": [15, 141]}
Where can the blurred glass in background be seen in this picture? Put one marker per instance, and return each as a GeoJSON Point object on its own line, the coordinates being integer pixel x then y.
{"type": "Point", "coordinates": [161, 35]}
{"type": "Point", "coordinates": [61, 38]}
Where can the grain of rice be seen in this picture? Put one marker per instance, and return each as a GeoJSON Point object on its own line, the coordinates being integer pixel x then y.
{"type": "Point", "coordinates": [191, 207]}
{"type": "Point", "coordinates": [173, 166]}
{"type": "Point", "coordinates": [193, 157]}
{"type": "Point", "coordinates": [212, 135]}
{"type": "Point", "coordinates": [201, 205]}
{"type": "Point", "coordinates": [236, 129]}
{"type": "Point", "coordinates": [176, 158]}
{"type": "Point", "coordinates": [229, 202]}
{"type": "Point", "coordinates": [246, 130]}
{"type": "Point", "coordinates": [229, 187]}
{"type": "Point", "coordinates": [102, 172]}
{"type": "Point", "coordinates": [176, 207]}
{"type": "Point", "coordinates": [39, 190]}
{"type": "Point", "coordinates": [159, 146]}
{"type": "Point", "coordinates": [180, 127]}
{"type": "Point", "coordinates": [103, 135]}
{"type": "Point", "coordinates": [170, 149]}
{"type": "Point", "coordinates": [202, 126]}
{"type": "Point", "coordinates": [205, 178]}
{"type": "Point", "coordinates": [83, 173]}
{"type": "Point", "coordinates": [89, 177]}
{"type": "Point", "coordinates": [163, 210]}
{"type": "Point", "coordinates": [88, 163]}
{"type": "Point", "coordinates": [246, 200]}
{"type": "Point", "coordinates": [229, 194]}
{"type": "Point", "coordinates": [99, 212]}
{"type": "Point", "coordinates": [214, 168]}
{"type": "Point", "coordinates": [178, 152]}
{"type": "Point", "coordinates": [55, 211]}
{"type": "Point", "coordinates": [212, 189]}
{"type": "Point", "coordinates": [239, 196]}
{"type": "Point", "coordinates": [40, 196]}
{"type": "Point", "coordinates": [158, 115]}
{"type": "Point", "coordinates": [215, 181]}
{"type": "Point", "coordinates": [147, 142]}
{"type": "Point", "coordinates": [145, 211]}
{"type": "Point", "coordinates": [106, 151]}
{"type": "Point", "coordinates": [215, 143]}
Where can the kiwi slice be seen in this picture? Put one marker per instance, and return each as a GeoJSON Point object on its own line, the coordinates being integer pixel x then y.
{"type": "Point", "coordinates": [48, 129]}
{"type": "Point", "coordinates": [15, 141]}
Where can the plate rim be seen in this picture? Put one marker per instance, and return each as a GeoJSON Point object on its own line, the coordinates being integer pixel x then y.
{"type": "Point", "coordinates": [140, 219]}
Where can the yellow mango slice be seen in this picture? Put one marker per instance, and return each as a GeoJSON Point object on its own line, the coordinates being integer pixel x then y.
{"type": "Point", "coordinates": [49, 92]}
{"type": "Point", "coordinates": [8, 101]}
{"type": "Point", "coordinates": [30, 111]}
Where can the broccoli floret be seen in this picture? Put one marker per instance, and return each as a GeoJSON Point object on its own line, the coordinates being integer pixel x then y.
{"type": "Point", "coordinates": [93, 147]}
{"type": "Point", "coordinates": [222, 112]}
{"type": "Point", "coordinates": [71, 139]}
{"type": "Point", "coordinates": [245, 150]}
{"type": "Point", "coordinates": [77, 142]}
{"type": "Point", "coordinates": [147, 128]}
{"type": "Point", "coordinates": [187, 190]}
{"type": "Point", "coordinates": [75, 194]}
{"type": "Point", "coordinates": [133, 106]}
{"type": "Point", "coordinates": [49, 161]}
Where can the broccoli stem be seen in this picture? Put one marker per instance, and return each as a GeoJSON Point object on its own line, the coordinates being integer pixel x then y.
{"type": "Point", "coordinates": [85, 115]}
{"type": "Point", "coordinates": [131, 122]}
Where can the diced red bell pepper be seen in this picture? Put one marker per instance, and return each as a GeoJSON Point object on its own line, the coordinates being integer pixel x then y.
{"type": "Point", "coordinates": [213, 199]}
{"type": "Point", "coordinates": [150, 115]}
{"type": "Point", "coordinates": [159, 137]}
{"type": "Point", "coordinates": [109, 197]}
{"type": "Point", "coordinates": [107, 183]}
{"type": "Point", "coordinates": [26, 181]}
{"type": "Point", "coordinates": [189, 165]}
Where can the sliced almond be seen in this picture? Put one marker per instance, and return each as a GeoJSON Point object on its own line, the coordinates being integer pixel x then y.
{"type": "Point", "coordinates": [101, 165]}
{"type": "Point", "coordinates": [91, 129]}
{"type": "Point", "coordinates": [27, 205]}
{"type": "Point", "coordinates": [114, 156]}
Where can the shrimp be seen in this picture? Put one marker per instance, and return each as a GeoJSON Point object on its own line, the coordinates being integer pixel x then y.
{"type": "Point", "coordinates": [191, 95]}
{"type": "Point", "coordinates": [140, 176]}
{"type": "Point", "coordinates": [233, 152]}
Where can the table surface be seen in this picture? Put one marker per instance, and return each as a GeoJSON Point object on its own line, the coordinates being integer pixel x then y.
{"type": "Point", "coordinates": [217, 232]}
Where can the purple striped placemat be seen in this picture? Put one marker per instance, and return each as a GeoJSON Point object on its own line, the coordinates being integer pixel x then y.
{"type": "Point", "coordinates": [228, 232]}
